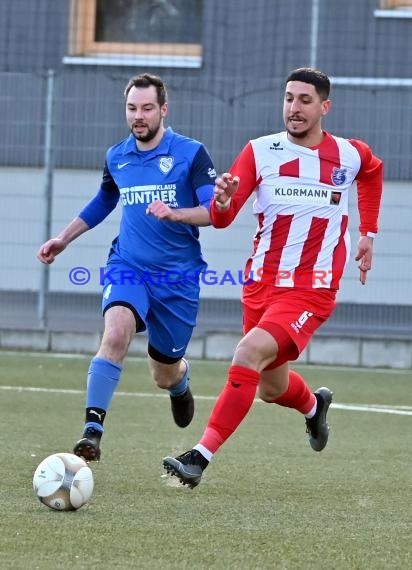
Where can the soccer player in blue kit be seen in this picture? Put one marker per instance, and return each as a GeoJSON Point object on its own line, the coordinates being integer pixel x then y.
{"type": "Point", "coordinates": [165, 183]}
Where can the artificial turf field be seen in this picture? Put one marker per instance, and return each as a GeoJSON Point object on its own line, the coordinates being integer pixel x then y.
{"type": "Point", "coordinates": [267, 501]}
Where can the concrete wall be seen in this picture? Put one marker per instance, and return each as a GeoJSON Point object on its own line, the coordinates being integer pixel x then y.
{"type": "Point", "coordinates": [330, 350]}
{"type": "Point", "coordinates": [22, 232]}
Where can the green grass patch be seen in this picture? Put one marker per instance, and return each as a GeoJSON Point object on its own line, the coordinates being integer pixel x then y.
{"type": "Point", "coordinates": [267, 501]}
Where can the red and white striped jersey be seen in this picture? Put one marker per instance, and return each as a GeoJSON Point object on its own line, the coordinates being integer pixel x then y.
{"type": "Point", "coordinates": [301, 205]}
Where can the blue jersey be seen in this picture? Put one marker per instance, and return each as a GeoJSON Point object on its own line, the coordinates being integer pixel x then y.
{"type": "Point", "coordinates": [180, 173]}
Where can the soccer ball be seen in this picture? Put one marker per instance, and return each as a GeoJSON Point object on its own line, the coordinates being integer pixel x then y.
{"type": "Point", "coordinates": [63, 482]}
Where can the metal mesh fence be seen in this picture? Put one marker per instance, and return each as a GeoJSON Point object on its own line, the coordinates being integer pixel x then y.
{"type": "Point", "coordinates": [63, 69]}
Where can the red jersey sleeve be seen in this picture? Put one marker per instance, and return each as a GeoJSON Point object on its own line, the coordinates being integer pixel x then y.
{"type": "Point", "coordinates": [369, 182]}
{"type": "Point", "coordinates": [244, 166]}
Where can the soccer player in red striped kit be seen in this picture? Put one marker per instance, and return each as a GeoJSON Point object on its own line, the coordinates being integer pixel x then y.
{"type": "Point", "coordinates": [301, 178]}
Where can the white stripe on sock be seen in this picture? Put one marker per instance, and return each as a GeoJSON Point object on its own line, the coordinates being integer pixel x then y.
{"type": "Point", "coordinates": [205, 452]}
{"type": "Point", "coordinates": [312, 411]}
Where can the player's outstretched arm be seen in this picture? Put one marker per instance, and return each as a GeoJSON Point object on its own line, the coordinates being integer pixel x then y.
{"type": "Point", "coordinates": [364, 256]}
{"type": "Point", "coordinates": [49, 250]}
{"type": "Point", "coordinates": [197, 216]}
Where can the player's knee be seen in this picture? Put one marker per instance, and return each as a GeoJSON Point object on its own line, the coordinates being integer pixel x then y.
{"type": "Point", "coordinates": [269, 395]}
{"type": "Point", "coordinates": [251, 355]}
{"type": "Point", "coordinates": [116, 341]}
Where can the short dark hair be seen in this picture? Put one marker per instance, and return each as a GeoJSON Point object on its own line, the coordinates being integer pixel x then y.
{"type": "Point", "coordinates": [313, 76]}
{"type": "Point", "coordinates": [146, 80]}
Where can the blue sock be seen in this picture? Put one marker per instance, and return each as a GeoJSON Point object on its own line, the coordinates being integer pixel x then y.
{"type": "Point", "coordinates": [102, 380]}
{"type": "Point", "coordinates": [181, 388]}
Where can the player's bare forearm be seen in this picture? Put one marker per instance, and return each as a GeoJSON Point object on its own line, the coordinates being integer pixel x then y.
{"type": "Point", "coordinates": [364, 256]}
{"type": "Point", "coordinates": [76, 228]}
{"type": "Point", "coordinates": [48, 251]}
{"type": "Point", "coordinates": [197, 216]}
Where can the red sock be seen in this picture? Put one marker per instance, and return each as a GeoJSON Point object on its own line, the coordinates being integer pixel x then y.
{"type": "Point", "coordinates": [298, 395]}
{"type": "Point", "coordinates": [231, 407]}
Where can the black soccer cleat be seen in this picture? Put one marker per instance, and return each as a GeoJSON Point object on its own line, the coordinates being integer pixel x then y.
{"type": "Point", "coordinates": [187, 467]}
{"type": "Point", "coordinates": [88, 447]}
{"type": "Point", "coordinates": [317, 427]}
{"type": "Point", "coordinates": [183, 408]}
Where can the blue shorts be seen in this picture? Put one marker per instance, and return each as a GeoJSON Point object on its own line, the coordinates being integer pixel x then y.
{"type": "Point", "coordinates": [167, 310]}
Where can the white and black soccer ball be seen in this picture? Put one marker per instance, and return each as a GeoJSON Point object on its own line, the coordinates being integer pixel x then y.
{"type": "Point", "coordinates": [63, 482]}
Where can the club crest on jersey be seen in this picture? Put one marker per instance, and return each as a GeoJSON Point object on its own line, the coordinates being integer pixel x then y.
{"type": "Point", "coordinates": [166, 164]}
{"type": "Point", "coordinates": [338, 176]}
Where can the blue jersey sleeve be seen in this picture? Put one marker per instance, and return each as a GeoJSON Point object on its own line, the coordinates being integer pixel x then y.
{"type": "Point", "coordinates": [204, 195]}
{"type": "Point", "coordinates": [203, 175]}
{"type": "Point", "coordinates": [103, 203]}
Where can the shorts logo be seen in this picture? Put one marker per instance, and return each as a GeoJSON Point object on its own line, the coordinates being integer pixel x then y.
{"type": "Point", "coordinates": [178, 349]}
{"type": "Point", "coordinates": [107, 291]}
{"type": "Point", "coordinates": [166, 164]}
{"type": "Point", "coordinates": [297, 325]}
{"type": "Point", "coordinates": [338, 176]}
